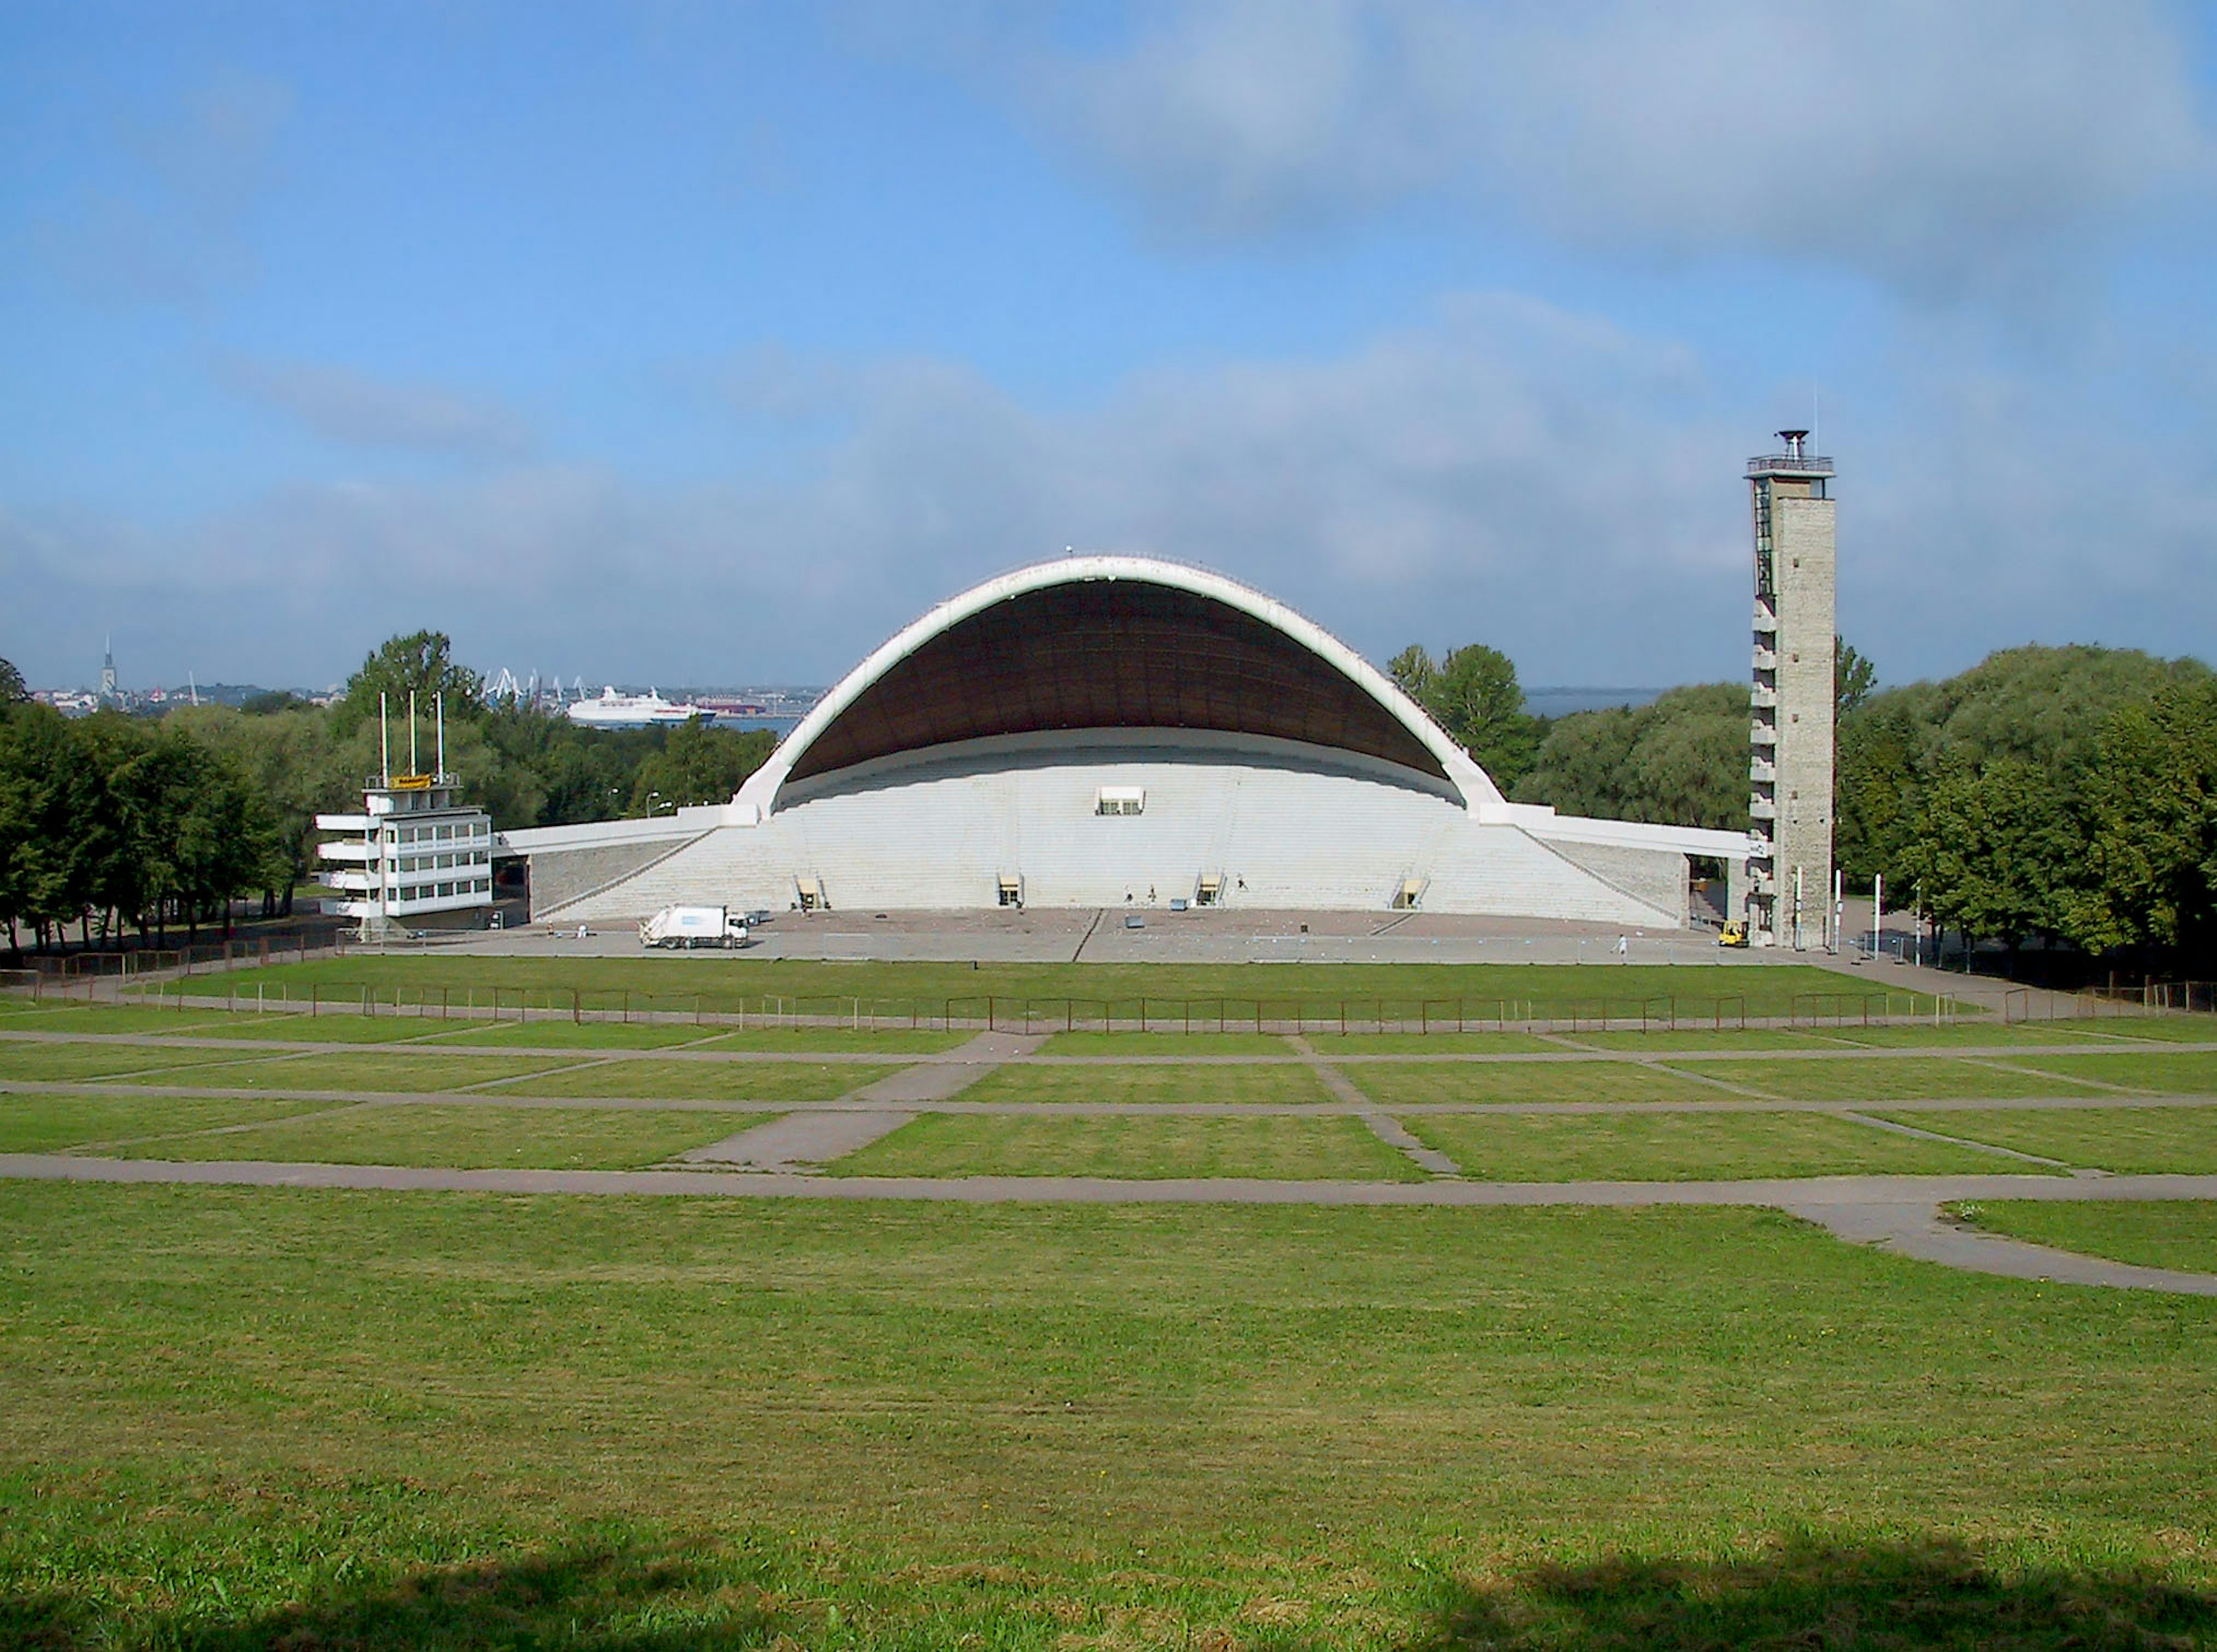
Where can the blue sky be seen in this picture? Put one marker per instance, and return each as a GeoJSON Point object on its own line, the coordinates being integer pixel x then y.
{"type": "Point", "coordinates": [709, 342]}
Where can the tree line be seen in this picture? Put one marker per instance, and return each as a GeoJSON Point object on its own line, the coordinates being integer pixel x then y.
{"type": "Point", "coordinates": [2060, 795]}
{"type": "Point", "coordinates": [110, 823]}
{"type": "Point", "coordinates": [2065, 795]}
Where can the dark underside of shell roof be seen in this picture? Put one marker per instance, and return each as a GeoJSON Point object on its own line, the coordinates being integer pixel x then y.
{"type": "Point", "coordinates": [1111, 654]}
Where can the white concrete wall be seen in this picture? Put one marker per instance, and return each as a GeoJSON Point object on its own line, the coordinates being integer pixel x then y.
{"type": "Point", "coordinates": [939, 834]}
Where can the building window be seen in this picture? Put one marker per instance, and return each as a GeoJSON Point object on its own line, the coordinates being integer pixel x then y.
{"type": "Point", "coordinates": [1119, 800]}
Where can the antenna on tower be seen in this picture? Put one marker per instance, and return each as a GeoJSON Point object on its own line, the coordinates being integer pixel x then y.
{"type": "Point", "coordinates": [441, 703]}
{"type": "Point", "coordinates": [414, 767]}
{"type": "Point", "coordinates": [384, 743]}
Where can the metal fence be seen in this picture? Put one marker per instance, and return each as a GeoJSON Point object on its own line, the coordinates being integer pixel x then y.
{"type": "Point", "coordinates": [1112, 1016]}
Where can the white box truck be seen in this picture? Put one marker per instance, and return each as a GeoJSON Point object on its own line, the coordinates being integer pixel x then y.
{"type": "Point", "coordinates": [694, 926]}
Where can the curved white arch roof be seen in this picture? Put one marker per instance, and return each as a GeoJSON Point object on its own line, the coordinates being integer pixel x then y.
{"type": "Point", "coordinates": [758, 797]}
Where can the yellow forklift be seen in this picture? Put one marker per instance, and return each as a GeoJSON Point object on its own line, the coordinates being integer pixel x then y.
{"type": "Point", "coordinates": [1733, 935]}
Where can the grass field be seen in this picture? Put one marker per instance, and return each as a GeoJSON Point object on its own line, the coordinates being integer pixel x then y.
{"type": "Point", "coordinates": [616, 1035]}
{"type": "Point", "coordinates": [1663, 1043]}
{"type": "Point", "coordinates": [393, 1072]}
{"type": "Point", "coordinates": [461, 1137]}
{"type": "Point", "coordinates": [1167, 1043]}
{"type": "Point", "coordinates": [1329, 1045]}
{"type": "Point", "coordinates": [1422, 1083]}
{"type": "Point", "coordinates": [2167, 1072]}
{"type": "Point", "coordinates": [1850, 1080]}
{"type": "Point", "coordinates": [2128, 1140]}
{"type": "Point", "coordinates": [555, 1034]}
{"type": "Point", "coordinates": [1764, 989]}
{"type": "Point", "coordinates": [1247, 1083]}
{"type": "Point", "coordinates": [1288, 1150]}
{"type": "Point", "coordinates": [50, 1124]}
{"type": "Point", "coordinates": [263, 1418]}
{"type": "Point", "coordinates": [1975, 1033]}
{"type": "Point", "coordinates": [706, 1080]}
{"type": "Point", "coordinates": [277, 1418]}
{"type": "Point", "coordinates": [1682, 1147]}
{"type": "Point", "coordinates": [86, 1062]}
{"type": "Point", "coordinates": [2175, 1233]}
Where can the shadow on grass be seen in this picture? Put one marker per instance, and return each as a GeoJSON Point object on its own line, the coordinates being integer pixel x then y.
{"type": "Point", "coordinates": [604, 1600]}
{"type": "Point", "coordinates": [1872, 1598]}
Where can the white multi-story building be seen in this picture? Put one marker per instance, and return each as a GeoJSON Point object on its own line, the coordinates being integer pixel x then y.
{"type": "Point", "coordinates": [414, 852]}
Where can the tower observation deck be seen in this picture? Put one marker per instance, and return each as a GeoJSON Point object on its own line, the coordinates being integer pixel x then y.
{"type": "Point", "coordinates": [1790, 763]}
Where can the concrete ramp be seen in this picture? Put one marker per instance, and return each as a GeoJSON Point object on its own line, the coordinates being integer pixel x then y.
{"type": "Point", "coordinates": [799, 1143]}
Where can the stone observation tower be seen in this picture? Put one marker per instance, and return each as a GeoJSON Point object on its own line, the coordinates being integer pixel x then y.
{"type": "Point", "coordinates": [1789, 868]}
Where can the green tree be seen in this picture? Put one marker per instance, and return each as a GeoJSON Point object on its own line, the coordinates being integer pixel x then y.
{"type": "Point", "coordinates": [2153, 860]}
{"type": "Point", "coordinates": [297, 771]}
{"type": "Point", "coordinates": [1999, 851]}
{"type": "Point", "coordinates": [2045, 707]}
{"type": "Point", "coordinates": [1412, 672]}
{"type": "Point", "coordinates": [421, 663]}
{"type": "Point", "coordinates": [1854, 677]}
{"type": "Point", "coordinates": [1878, 787]}
{"type": "Point", "coordinates": [12, 689]}
{"type": "Point", "coordinates": [1476, 698]}
{"type": "Point", "coordinates": [1473, 695]}
{"type": "Point", "coordinates": [41, 802]}
{"type": "Point", "coordinates": [108, 873]}
{"type": "Point", "coordinates": [1681, 761]}
{"type": "Point", "coordinates": [700, 763]}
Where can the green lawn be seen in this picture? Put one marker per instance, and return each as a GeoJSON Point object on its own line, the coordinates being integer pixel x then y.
{"type": "Point", "coordinates": [642, 1035]}
{"type": "Point", "coordinates": [2164, 1233]}
{"type": "Point", "coordinates": [1315, 989]}
{"type": "Point", "coordinates": [854, 1041]}
{"type": "Point", "coordinates": [461, 1137]}
{"type": "Point", "coordinates": [1329, 1045]}
{"type": "Point", "coordinates": [261, 1417]}
{"type": "Point", "coordinates": [393, 1072]}
{"type": "Point", "coordinates": [1400, 1085]}
{"type": "Point", "coordinates": [1664, 1042]}
{"type": "Point", "coordinates": [2165, 1073]}
{"type": "Point", "coordinates": [1682, 1147]}
{"type": "Point", "coordinates": [2172, 1028]}
{"type": "Point", "coordinates": [101, 1018]}
{"type": "Point", "coordinates": [1888, 1079]}
{"type": "Point", "coordinates": [1959, 1035]}
{"type": "Point", "coordinates": [1294, 1150]}
{"type": "Point", "coordinates": [707, 1081]}
{"type": "Point", "coordinates": [293, 1027]}
{"type": "Point", "coordinates": [47, 1124]}
{"type": "Point", "coordinates": [574, 1035]}
{"type": "Point", "coordinates": [1271, 1086]}
{"type": "Point", "coordinates": [1166, 1044]}
{"type": "Point", "coordinates": [2129, 1140]}
{"type": "Point", "coordinates": [82, 1062]}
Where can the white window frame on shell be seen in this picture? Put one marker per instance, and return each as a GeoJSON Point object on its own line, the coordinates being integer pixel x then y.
{"type": "Point", "coordinates": [1120, 800]}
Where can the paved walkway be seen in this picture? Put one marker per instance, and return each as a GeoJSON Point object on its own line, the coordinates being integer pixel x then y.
{"type": "Point", "coordinates": [800, 1144]}
{"type": "Point", "coordinates": [806, 1141]}
{"type": "Point", "coordinates": [1919, 1229]}
{"type": "Point", "coordinates": [1381, 1124]}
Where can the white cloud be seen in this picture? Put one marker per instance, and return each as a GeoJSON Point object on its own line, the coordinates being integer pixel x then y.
{"type": "Point", "coordinates": [342, 406]}
{"type": "Point", "coordinates": [1504, 472]}
{"type": "Point", "coordinates": [1935, 146]}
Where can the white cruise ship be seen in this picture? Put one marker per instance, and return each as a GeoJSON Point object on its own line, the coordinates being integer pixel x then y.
{"type": "Point", "coordinates": [647, 711]}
